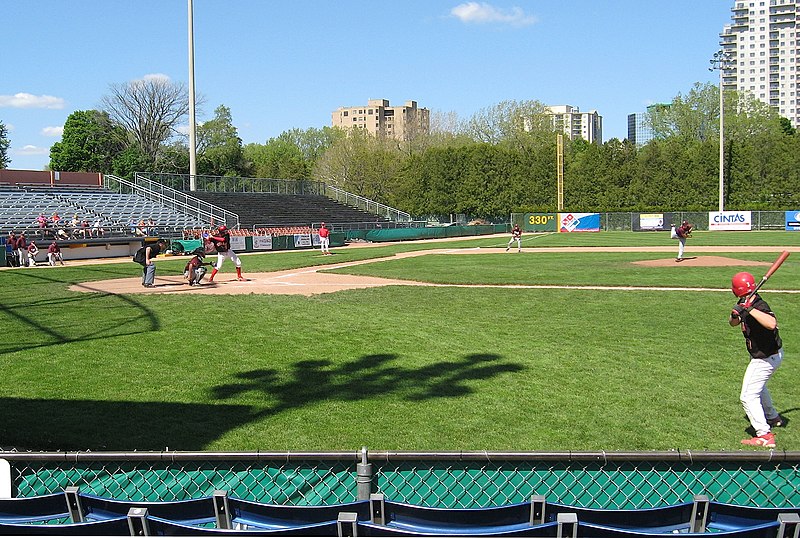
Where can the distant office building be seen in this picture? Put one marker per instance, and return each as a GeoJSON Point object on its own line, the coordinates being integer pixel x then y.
{"type": "Point", "coordinates": [640, 129]}
{"type": "Point", "coordinates": [380, 119]}
{"type": "Point", "coordinates": [763, 45]}
{"type": "Point", "coordinates": [576, 124]}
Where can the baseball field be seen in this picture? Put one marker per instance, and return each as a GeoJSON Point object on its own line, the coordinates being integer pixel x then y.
{"type": "Point", "coordinates": [593, 341]}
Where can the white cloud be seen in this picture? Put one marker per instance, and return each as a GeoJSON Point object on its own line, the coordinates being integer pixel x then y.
{"type": "Point", "coordinates": [481, 13]}
{"type": "Point", "coordinates": [27, 100]}
{"type": "Point", "coordinates": [156, 77]}
{"type": "Point", "coordinates": [53, 131]}
{"type": "Point", "coordinates": [32, 150]}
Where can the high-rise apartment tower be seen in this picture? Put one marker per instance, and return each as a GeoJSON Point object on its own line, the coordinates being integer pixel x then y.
{"type": "Point", "coordinates": [762, 45]}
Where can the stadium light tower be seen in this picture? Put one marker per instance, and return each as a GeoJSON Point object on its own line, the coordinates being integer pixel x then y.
{"type": "Point", "coordinates": [192, 120]}
{"type": "Point", "coordinates": [720, 63]}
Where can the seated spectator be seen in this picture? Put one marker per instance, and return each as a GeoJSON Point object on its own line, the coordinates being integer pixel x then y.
{"type": "Point", "coordinates": [97, 228]}
{"type": "Point", "coordinates": [85, 230]}
{"type": "Point", "coordinates": [151, 227]}
{"type": "Point", "coordinates": [33, 250]}
{"type": "Point", "coordinates": [54, 254]}
{"type": "Point", "coordinates": [41, 220]}
{"type": "Point", "coordinates": [55, 218]}
{"type": "Point", "coordinates": [61, 233]}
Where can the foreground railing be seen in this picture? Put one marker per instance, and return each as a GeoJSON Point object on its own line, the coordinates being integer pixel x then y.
{"type": "Point", "coordinates": [620, 480]}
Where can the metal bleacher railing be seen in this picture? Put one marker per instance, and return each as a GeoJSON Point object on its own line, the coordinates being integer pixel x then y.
{"type": "Point", "coordinates": [167, 196]}
{"type": "Point", "coordinates": [181, 182]}
{"type": "Point", "coordinates": [446, 480]}
{"type": "Point", "coordinates": [365, 204]}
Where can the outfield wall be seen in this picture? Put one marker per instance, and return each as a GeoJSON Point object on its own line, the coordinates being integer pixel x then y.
{"type": "Point", "coordinates": [657, 221]}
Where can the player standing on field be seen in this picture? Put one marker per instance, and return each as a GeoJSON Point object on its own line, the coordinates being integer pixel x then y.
{"type": "Point", "coordinates": [324, 239]}
{"type": "Point", "coordinates": [222, 244]}
{"type": "Point", "coordinates": [760, 329]}
{"type": "Point", "coordinates": [516, 235]}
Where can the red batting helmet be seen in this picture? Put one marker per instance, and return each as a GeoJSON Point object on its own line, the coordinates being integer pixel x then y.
{"type": "Point", "coordinates": [742, 284]}
{"type": "Point", "coordinates": [223, 228]}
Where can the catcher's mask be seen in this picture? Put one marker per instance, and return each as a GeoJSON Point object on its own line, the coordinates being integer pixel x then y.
{"type": "Point", "coordinates": [742, 284]}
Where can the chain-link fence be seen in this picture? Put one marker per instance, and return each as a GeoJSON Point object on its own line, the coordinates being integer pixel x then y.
{"type": "Point", "coordinates": [445, 480]}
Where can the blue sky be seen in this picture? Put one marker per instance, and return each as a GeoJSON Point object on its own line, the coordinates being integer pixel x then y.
{"type": "Point", "coordinates": [283, 65]}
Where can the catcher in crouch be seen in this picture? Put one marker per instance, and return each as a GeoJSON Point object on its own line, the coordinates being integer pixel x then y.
{"type": "Point", "coordinates": [222, 243]}
{"type": "Point", "coordinates": [195, 269]}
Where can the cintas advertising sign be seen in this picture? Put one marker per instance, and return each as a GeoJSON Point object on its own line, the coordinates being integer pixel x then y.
{"type": "Point", "coordinates": [730, 220]}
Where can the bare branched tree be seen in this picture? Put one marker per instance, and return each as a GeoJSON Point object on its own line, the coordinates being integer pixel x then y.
{"type": "Point", "coordinates": [150, 110]}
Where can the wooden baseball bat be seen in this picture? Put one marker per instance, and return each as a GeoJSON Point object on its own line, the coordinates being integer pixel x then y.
{"type": "Point", "coordinates": [772, 269]}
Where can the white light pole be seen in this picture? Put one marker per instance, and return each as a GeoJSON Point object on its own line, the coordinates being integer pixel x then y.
{"type": "Point", "coordinates": [719, 62]}
{"type": "Point", "coordinates": [192, 120]}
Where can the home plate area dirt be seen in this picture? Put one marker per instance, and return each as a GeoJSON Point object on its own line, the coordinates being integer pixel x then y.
{"type": "Point", "coordinates": [310, 281]}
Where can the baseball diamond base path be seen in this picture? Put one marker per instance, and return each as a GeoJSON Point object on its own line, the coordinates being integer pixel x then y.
{"type": "Point", "coordinates": [311, 281]}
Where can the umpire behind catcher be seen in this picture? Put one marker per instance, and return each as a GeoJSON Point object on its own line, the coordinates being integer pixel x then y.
{"type": "Point", "coordinates": [145, 256]}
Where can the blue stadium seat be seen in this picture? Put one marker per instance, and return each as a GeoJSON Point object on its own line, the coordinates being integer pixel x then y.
{"type": "Point", "coordinates": [108, 527]}
{"type": "Point", "coordinates": [267, 516]}
{"type": "Point", "coordinates": [33, 509]}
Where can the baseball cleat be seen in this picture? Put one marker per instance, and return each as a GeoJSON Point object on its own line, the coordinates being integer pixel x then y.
{"type": "Point", "coordinates": [777, 422]}
{"type": "Point", "coordinates": [767, 440]}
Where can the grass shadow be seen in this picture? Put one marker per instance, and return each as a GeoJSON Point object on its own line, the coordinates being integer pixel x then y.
{"type": "Point", "coordinates": [368, 376]}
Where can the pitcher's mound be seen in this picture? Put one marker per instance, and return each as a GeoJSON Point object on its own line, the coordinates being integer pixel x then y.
{"type": "Point", "coordinates": [700, 261]}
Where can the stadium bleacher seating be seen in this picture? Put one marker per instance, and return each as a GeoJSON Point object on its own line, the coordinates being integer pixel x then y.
{"type": "Point", "coordinates": [20, 206]}
{"type": "Point", "coordinates": [257, 208]}
{"type": "Point", "coordinates": [75, 513]}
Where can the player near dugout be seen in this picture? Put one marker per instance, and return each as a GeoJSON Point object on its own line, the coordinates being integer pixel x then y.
{"type": "Point", "coordinates": [221, 240]}
{"type": "Point", "coordinates": [760, 330]}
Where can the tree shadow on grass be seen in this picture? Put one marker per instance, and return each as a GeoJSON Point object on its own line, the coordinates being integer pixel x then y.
{"type": "Point", "coordinates": [367, 377]}
{"type": "Point", "coordinates": [74, 424]}
{"type": "Point", "coordinates": [33, 321]}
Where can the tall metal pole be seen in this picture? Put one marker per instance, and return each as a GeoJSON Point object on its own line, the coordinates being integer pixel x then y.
{"type": "Point", "coordinates": [192, 120]}
{"type": "Point", "coordinates": [719, 62]}
{"type": "Point", "coordinates": [721, 142]}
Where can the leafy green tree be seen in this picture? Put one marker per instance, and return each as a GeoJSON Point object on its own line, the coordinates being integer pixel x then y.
{"type": "Point", "coordinates": [521, 123]}
{"type": "Point", "coordinates": [362, 164]}
{"type": "Point", "coordinates": [219, 148]}
{"type": "Point", "coordinates": [4, 144]}
{"type": "Point", "coordinates": [129, 161]}
{"type": "Point", "coordinates": [90, 143]}
{"type": "Point", "coordinates": [278, 159]}
{"type": "Point", "coordinates": [694, 116]}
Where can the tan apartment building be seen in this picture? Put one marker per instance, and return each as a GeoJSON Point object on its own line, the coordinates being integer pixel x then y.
{"type": "Point", "coordinates": [380, 119]}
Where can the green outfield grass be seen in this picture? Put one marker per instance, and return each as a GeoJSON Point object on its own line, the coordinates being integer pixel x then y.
{"type": "Point", "coordinates": [400, 367]}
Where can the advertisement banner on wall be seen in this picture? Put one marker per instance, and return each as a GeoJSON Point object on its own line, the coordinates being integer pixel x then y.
{"type": "Point", "coordinates": [262, 242]}
{"type": "Point", "coordinates": [540, 222]}
{"type": "Point", "coordinates": [651, 221]}
{"type": "Point", "coordinates": [793, 221]}
{"type": "Point", "coordinates": [237, 242]}
{"type": "Point", "coordinates": [730, 220]}
{"type": "Point", "coordinates": [579, 222]}
{"type": "Point", "coordinates": [302, 240]}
